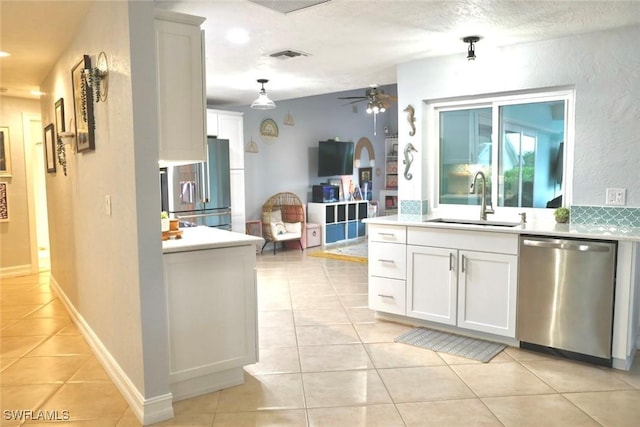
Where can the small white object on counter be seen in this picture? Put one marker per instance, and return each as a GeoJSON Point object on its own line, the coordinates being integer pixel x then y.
{"type": "Point", "coordinates": [200, 238]}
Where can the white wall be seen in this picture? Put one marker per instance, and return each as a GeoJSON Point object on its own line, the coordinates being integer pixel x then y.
{"type": "Point", "coordinates": [290, 163]}
{"type": "Point", "coordinates": [110, 266]}
{"type": "Point", "coordinates": [603, 68]}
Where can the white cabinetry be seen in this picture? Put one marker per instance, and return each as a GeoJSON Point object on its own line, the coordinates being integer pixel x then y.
{"type": "Point", "coordinates": [238, 215]}
{"type": "Point", "coordinates": [180, 79]}
{"type": "Point", "coordinates": [433, 284]}
{"type": "Point", "coordinates": [463, 278]}
{"type": "Point", "coordinates": [387, 269]}
{"type": "Point", "coordinates": [339, 220]}
{"type": "Point", "coordinates": [229, 125]}
{"type": "Point", "coordinates": [211, 306]}
{"type": "Point", "coordinates": [487, 287]}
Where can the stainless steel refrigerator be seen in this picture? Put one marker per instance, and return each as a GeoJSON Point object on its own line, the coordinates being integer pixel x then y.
{"type": "Point", "coordinates": [200, 193]}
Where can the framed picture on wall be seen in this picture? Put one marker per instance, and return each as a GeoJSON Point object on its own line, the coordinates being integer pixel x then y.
{"type": "Point", "coordinates": [83, 106]}
{"type": "Point", "coordinates": [50, 148]}
{"type": "Point", "coordinates": [4, 202]}
{"type": "Point", "coordinates": [364, 175]}
{"type": "Point", "coordinates": [60, 116]}
{"type": "Point", "coordinates": [5, 152]}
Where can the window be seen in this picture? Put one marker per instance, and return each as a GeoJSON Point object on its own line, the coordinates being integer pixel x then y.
{"type": "Point", "coordinates": [519, 139]}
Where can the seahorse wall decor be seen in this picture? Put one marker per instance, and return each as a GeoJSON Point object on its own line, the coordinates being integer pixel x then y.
{"type": "Point", "coordinates": [411, 119]}
{"type": "Point", "coordinates": [408, 159]}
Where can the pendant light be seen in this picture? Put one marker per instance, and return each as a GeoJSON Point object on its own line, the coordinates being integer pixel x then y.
{"type": "Point", "coordinates": [263, 102]}
{"type": "Point", "coordinates": [471, 52]}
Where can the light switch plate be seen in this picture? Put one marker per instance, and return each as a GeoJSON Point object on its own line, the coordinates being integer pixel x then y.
{"type": "Point", "coordinates": [107, 205]}
{"type": "Point", "coordinates": [616, 196]}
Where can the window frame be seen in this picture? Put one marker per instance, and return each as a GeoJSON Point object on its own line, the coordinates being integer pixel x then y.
{"type": "Point", "coordinates": [432, 110]}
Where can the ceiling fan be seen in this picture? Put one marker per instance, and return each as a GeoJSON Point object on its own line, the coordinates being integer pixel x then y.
{"type": "Point", "coordinates": [377, 102]}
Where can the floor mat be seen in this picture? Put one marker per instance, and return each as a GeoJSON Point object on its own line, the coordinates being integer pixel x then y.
{"type": "Point", "coordinates": [457, 345]}
{"type": "Point", "coordinates": [354, 252]}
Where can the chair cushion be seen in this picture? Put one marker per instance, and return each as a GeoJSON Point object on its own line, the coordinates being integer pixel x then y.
{"type": "Point", "coordinates": [278, 228]}
{"type": "Point", "coordinates": [286, 230]}
{"type": "Point", "coordinates": [276, 216]}
{"type": "Point", "coordinates": [292, 213]}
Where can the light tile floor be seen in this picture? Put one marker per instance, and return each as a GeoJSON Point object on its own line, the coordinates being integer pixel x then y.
{"type": "Point", "coordinates": [325, 361]}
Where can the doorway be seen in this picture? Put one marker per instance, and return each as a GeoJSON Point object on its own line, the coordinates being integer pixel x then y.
{"type": "Point", "coordinates": [36, 192]}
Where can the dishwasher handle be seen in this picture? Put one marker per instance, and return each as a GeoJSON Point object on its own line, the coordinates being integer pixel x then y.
{"type": "Point", "coordinates": [568, 245]}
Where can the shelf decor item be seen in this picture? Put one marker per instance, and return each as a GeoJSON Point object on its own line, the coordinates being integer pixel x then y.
{"type": "Point", "coordinates": [562, 215]}
{"type": "Point", "coordinates": [83, 106]}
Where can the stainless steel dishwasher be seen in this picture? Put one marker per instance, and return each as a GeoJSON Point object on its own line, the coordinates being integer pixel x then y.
{"type": "Point", "coordinates": [565, 297]}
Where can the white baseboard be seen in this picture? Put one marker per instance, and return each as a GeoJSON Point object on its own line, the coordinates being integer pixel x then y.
{"type": "Point", "coordinates": [147, 410]}
{"type": "Point", "coordinates": [15, 271]}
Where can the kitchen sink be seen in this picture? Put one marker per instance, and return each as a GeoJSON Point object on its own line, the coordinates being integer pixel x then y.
{"type": "Point", "coordinates": [474, 222]}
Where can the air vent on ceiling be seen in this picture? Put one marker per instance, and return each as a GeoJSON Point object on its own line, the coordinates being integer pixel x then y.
{"type": "Point", "coordinates": [289, 5]}
{"type": "Point", "coordinates": [288, 53]}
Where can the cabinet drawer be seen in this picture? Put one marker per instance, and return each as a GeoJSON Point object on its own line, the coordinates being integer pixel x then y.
{"type": "Point", "coordinates": [388, 260]}
{"type": "Point", "coordinates": [387, 233]}
{"type": "Point", "coordinates": [387, 295]}
{"type": "Point", "coordinates": [482, 241]}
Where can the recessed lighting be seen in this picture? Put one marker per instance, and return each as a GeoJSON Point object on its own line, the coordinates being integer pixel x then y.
{"type": "Point", "coordinates": [4, 54]}
{"type": "Point", "coordinates": [238, 36]}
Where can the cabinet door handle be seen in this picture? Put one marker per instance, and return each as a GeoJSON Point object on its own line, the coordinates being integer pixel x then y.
{"type": "Point", "coordinates": [385, 296]}
{"type": "Point", "coordinates": [386, 234]}
{"type": "Point", "coordinates": [464, 263]}
{"type": "Point", "coordinates": [450, 261]}
{"type": "Point", "coordinates": [390, 261]}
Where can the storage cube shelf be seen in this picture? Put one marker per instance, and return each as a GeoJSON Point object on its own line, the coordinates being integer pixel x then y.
{"type": "Point", "coordinates": [339, 220]}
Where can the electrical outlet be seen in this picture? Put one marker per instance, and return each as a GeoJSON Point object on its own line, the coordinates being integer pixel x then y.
{"type": "Point", "coordinates": [107, 205]}
{"type": "Point", "coordinates": [616, 196]}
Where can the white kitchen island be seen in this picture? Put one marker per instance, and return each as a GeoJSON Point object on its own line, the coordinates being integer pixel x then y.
{"type": "Point", "coordinates": [210, 282]}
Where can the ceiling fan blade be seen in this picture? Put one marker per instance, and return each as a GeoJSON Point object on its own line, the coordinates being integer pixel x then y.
{"type": "Point", "coordinates": [353, 97]}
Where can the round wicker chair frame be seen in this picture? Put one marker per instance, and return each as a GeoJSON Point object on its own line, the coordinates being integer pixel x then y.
{"type": "Point", "coordinates": [292, 210]}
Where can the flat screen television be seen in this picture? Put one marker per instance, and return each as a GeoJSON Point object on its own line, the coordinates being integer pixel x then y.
{"type": "Point", "coordinates": [335, 158]}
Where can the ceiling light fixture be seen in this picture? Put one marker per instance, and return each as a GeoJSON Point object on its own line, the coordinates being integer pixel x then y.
{"type": "Point", "coordinates": [4, 54]}
{"type": "Point", "coordinates": [263, 102]}
{"type": "Point", "coordinates": [471, 52]}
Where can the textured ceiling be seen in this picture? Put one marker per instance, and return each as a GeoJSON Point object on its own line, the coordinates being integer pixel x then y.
{"type": "Point", "coordinates": [350, 44]}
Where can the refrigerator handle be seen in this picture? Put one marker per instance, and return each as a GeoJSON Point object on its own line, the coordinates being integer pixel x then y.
{"type": "Point", "coordinates": [204, 183]}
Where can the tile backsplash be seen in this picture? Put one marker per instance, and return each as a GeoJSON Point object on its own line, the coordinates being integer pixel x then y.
{"type": "Point", "coordinates": [414, 209]}
{"type": "Point", "coordinates": [605, 215]}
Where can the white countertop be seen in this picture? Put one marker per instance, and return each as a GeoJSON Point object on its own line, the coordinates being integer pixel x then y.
{"type": "Point", "coordinates": [547, 228]}
{"type": "Point", "coordinates": [200, 238]}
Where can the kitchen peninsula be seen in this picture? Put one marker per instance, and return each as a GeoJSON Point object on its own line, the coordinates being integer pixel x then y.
{"type": "Point", "coordinates": [462, 275]}
{"type": "Point", "coordinates": [210, 281]}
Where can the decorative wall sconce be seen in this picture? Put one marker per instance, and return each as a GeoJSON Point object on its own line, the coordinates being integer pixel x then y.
{"type": "Point", "coordinates": [64, 138]}
{"type": "Point", "coordinates": [97, 78]}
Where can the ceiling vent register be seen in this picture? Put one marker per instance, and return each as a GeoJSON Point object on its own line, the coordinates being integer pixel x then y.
{"type": "Point", "coordinates": [288, 53]}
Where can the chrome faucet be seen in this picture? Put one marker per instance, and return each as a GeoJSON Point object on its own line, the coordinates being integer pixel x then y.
{"type": "Point", "coordinates": [484, 210]}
